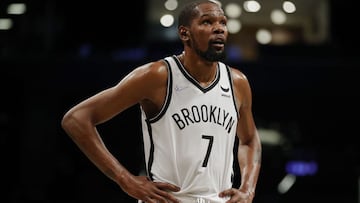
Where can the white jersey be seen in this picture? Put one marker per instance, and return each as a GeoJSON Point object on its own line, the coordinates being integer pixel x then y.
{"type": "Point", "coordinates": [190, 142]}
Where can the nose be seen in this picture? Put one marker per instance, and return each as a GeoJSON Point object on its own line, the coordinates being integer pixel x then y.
{"type": "Point", "coordinates": [219, 28]}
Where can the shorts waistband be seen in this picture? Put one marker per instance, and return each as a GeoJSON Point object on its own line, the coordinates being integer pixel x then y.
{"type": "Point", "coordinates": [193, 200]}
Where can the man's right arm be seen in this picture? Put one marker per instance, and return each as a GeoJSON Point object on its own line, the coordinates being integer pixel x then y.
{"type": "Point", "coordinates": [80, 124]}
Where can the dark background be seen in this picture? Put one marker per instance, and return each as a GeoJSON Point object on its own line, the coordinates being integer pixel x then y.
{"type": "Point", "coordinates": [53, 58]}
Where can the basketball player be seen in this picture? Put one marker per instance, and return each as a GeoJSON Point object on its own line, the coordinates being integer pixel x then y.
{"type": "Point", "coordinates": [192, 107]}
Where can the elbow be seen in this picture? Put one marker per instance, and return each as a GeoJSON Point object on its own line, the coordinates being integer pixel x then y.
{"type": "Point", "coordinates": [72, 122]}
{"type": "Point", "coordinates": [73, 125]}
{"type": "Point", "coordinates": [76, 123]}
{"type": "Point", "coordinates": [258, 141]}
{"type": "Point", "coordinates": [256, 144]}
{"type": "Point", "coordinates": [252, 140]}
{"type": "Point", "coordinates": [67, 120]}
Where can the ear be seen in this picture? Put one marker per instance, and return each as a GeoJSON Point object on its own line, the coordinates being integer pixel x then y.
{"type": "Point", "coordinates": [183, 33]}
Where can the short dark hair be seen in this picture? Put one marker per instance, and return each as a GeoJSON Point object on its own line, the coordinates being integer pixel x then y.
{"type": "Point", "coordinates": [188, 12]}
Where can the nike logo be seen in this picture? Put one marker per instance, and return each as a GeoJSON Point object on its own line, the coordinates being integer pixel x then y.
{"type": "Point", "coordinates": [225, 89]}
{"type": "Point", "coordinates": [179, 88]}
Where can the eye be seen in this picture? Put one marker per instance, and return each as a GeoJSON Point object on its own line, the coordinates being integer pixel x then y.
{"type": "Point", "coordinates": [223, 22]}
{"type": "Point", "coordinates": [206, 22]}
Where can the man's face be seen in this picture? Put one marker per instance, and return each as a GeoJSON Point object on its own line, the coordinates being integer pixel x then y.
{"type": "Point", "coordinates": [208, 32]}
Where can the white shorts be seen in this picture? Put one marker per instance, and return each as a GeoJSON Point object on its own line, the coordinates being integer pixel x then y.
{"type": "Point", "coordinates": [198, 200]}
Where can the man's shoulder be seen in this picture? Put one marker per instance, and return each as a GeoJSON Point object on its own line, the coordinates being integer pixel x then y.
{"type": "Point", "coordinates": [237, 74]}
{"type": "Point", "coordinates": [153, 69]}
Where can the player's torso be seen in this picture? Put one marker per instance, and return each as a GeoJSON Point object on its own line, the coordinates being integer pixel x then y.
{"type": "Point", "coordinates": [190, 143]}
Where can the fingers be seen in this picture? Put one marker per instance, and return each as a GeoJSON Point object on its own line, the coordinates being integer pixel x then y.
{"type": "Point", "coordinates": [167, 186]}
{"type": "Point", "coordinates": [163, 192]}
{"type": "Point", "coordinates": [160, 193]}
{"type": "Point", "coordinates": [155, 199]}
{"type": "Point", "coordinates": [228, 192]}
{"type": "Point", "coordinates": [236, 196]}
{"type": "Point", "coordinates": [149, 200]}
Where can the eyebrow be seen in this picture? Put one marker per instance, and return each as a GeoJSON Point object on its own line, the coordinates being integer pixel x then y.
{"type": "Point", "coordinates": [211, 15]}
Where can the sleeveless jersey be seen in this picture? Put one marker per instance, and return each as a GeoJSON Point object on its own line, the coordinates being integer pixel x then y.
{"type": "Point", "coordinates": [190, 141]}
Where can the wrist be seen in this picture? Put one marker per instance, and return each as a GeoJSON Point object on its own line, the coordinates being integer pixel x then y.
{"type": "Point", "coordinates": [122, 178]}
{"type": "Point", "coordinates": [248, 192]}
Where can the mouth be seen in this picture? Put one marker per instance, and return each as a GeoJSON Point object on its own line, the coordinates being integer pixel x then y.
{"type": "Point", "coordinates": [218, 43]}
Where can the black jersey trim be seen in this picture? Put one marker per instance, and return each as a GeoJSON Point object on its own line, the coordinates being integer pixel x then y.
{"type": "Point", "coordinates": [151, 153]}
{"type": "Point", "coordinates": [232, 89]}
{"type": "Point", "coordinates": [195, 82]}
{"type": "Point", "coordinates": [168, 95]}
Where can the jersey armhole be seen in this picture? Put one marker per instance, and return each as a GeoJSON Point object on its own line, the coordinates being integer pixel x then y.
{"type": "Point", "coordinates": [231, 79]}
{"type": "Point", "coordinates": [168, 93]}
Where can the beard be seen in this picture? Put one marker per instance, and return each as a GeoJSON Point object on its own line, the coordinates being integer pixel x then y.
{"type": "Point", "coordinates": [211, 54]}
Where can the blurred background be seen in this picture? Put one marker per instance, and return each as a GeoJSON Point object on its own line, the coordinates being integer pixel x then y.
{"type": "Point", "coordinates": [300, 57]}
